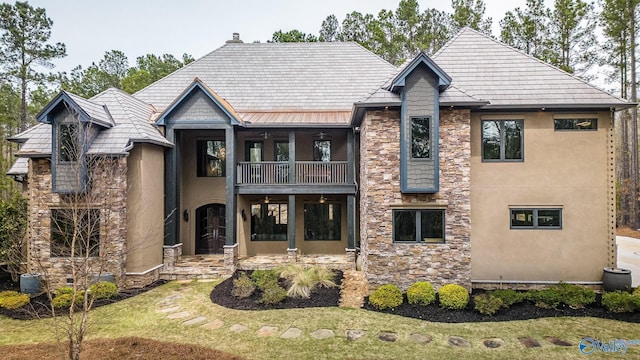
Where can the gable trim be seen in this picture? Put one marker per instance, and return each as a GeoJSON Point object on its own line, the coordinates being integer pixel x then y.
{"type": "Point", "coordinates": [444, 80]}
{"type": "Point", "coordinates": [45, 115]}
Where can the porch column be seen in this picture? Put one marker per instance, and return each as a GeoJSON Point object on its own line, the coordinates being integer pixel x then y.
{"type": "Point", "coordinates": [230, 207]}
{"type": "Point", "coordinates": [291, 223]}
{"type": "Point", "coordinates": [351, 161]}
{"type": "Point", "coordinates": [351, 222]}
{"type": "Point", "coordinates": [292, 157]}
{"type": "Point", "coordinates": [171, 190]}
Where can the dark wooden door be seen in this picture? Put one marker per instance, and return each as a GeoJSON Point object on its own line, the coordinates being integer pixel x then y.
{"type": "Point", "coordinates": [210, 229]}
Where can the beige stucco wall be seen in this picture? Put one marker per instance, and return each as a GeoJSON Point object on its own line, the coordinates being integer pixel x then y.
{"type": "Point", "coordinates": [196, 191]}
{"type": "Point", "coordinates": [561, 169]}
{"type": "Point", "coordinates": [145, 202]}
{"type": "Point", "coordinates": [305, 247]}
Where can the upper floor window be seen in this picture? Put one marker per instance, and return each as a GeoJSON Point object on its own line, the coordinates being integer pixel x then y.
{"type": "Point", "coordinates": [575, 124]}
{"type": "Point", "coordinates": [68, 142]}
{"type": "Point", "coordinates": [426, 226]}
{"type": "Point", "coordinates": [211, 158]}
{"type": "Point", "coordinates": [502, 140]}
{"type": "Point", "coordinates": [321, 150]}
{"type": "Point", "coordinates": [281, 150]}
{"type": "Point", "coordinates": [77, 229]}
{"type": "Point", "coordinates": [420, 138]}
{"type": "Point", "coordinates": [536, 218]}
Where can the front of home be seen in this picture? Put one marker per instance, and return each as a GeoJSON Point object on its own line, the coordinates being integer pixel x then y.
{"type": "Point", "coordinates": [478, 166]}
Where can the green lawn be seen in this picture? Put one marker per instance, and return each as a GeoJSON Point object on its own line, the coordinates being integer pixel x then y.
{"type": "Point", "coordinates": [138, 316]}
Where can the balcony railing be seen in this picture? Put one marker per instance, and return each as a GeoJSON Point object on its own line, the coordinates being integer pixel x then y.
{"type": "Point", "coordinates": [305, 173]}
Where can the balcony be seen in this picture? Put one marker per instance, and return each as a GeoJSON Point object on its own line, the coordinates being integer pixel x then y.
{"type": "Point", "coordinates": [304, 173]}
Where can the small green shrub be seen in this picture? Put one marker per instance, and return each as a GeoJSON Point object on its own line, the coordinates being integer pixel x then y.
{"type": "Point", "coordinates": [421, 293]}
{"type": "Point", "coordinates": [453, 296]}
{"type": "Point", "coordinates": [575, 296]}
{"type": "Point", "coordinates": [508, 296]}
{"type": "Point", "coordinates": [636, 291]}
{"type": "Point", "coordinates": [64, 290]}
{"type": "Point", "coordinates": [17, 300]}
{"type": "Point", "coordinates": [243, 287]}
{"type": "Point", "coordinates": [386, 296]}
{"type": "Point", "coordinates": [487, 304]}
{"type": "Point", "coordinates": [104, 290]}
{"type": "Point", "coordinates": [263, 278]}
{"type": "Point", "coordinates": [620, 302]}
{"type": "Point", "coordinates": [273, 293]}
{"type": "Point", "coordinates": [64, 300]}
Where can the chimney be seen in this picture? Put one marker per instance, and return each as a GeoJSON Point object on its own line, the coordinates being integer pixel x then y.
{"type": "Point", "coordinates": [236, 39]}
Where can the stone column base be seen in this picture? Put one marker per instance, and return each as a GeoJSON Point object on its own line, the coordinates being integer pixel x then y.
{"type": "Point", "coordinates": [292, 256]}
{"type": "Point", "coordinates": [171, 254]}
{"type": "Point", "coordinates": [351, 257]}
{"type": "Point", "coordinates": [230, 258]}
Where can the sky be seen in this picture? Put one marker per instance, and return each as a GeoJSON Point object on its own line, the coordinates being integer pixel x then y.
{"type": "Point", "coordinates": [89, 28]}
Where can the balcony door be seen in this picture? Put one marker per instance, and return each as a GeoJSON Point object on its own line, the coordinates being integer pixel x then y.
{"type": "Point", "coordinates": [210, 229]}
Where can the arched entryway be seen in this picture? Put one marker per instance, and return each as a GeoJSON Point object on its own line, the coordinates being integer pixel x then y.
{"type": "Point", "coordinates": [210, 229]}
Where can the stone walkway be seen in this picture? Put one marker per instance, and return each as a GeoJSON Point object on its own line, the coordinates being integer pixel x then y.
{"type": "Point", "coordinates": [171, 307]}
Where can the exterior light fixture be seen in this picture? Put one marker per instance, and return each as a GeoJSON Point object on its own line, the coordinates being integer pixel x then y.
{"type": "Point", "coordinates": [266, 199]}
{"type": "Point", "coordinates": [322, 199]}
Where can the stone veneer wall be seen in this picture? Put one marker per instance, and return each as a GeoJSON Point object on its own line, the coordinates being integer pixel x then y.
{"type": "Point", "coordinates": [400, 263]}
{"type": "Point", "coordinates": [109, 194]}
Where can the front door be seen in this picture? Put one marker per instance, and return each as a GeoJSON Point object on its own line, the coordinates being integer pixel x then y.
{"type": "Point", "coordinates": [210, 229]}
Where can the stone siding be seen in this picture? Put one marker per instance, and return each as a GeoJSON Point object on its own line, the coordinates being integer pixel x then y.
{"type": "Point", "coordinates": [402, 264]}
{"type": "Point", "coordinates": [109, 196]}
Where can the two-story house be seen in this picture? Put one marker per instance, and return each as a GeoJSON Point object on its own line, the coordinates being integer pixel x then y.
{"type": "Point", "coordinates": [478, 165]}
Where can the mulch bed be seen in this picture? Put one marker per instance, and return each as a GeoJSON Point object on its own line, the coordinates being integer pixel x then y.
{"type": "Point", "coordinates": [322, 297]}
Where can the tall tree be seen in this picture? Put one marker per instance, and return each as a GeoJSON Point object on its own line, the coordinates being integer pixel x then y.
{"type": "Point", "coordinates": [292, 36]}
{"type": "Point", "coordinates": [470, 13]}
{"type": "Point", "coordinates": [24, 48]}
{"type": "Point", "coordinates": [329, 29]}
{"type": "Point", "coordinates": [355, 28]}
{"type": "Point", "coordinates": [150, 68]}
{"type": "Point", "coordinates": [528, 29]}
{"type": "Point", "coordinates": [109, 72]}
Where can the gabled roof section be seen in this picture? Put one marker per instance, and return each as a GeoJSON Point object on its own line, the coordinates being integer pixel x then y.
{"type": "Point", "coordinates": [444, 80]}
{"type": "Point", "coordinates": [19, 167]}
{"type": "Point", "coordinates": [507, 78]}
{"type": "Point", "coordinates": [87, 110]}
{"type": "Point", "coordinates": [196, 85]}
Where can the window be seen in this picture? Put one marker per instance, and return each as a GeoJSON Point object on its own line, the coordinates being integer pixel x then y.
{"type": "Point", "coordinates": [575, 124]}
{"type": "Point", "coordinates": [502, 140]}
{"type": "Point", "coordinates": [422, 226]}
{"type": "Point", "coordinates": [321, 150]}
{"type": "Point", "coordinates": [536, 218]}
{"type": "Point", "coordinates": [253, 151]}
{"type": "Point", "coordinates": [211, 158]}
{"type": "Point", "coordinates": [322, 222]}
{"type": "Point", "coordinates": [281, 150]}
{"type": "Point", "coordinates": [269, 222]}
{"type": "Point", "coordinates": [68, 142]}
{"type": "Point", "coordinates": [420, 138]}
{"type": "Point", "coordinates": [80, 227]}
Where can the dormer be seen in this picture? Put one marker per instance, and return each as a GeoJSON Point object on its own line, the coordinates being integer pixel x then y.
{"type": "Point", "coordinates": [419, 84]}
{"type": "Point", "coordinates": [75, 123]}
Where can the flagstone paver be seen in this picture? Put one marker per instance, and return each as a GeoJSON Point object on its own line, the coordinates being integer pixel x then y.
{"type": "Point", "coordinates": [194, 321]}
{"type": "Point", "coordinates": [168, 309]}
{"type": "Point", "coordinates": [493, 343]}
{"type": "Point", "coordinates": [238, 328]}
{"type": "Point", "coordinates": [420, 338]}
{"type": "Point", "coordinates": [291, 333]}
{"type": "Point", "coordinates": [388, 336]}
{"type": "Point", "coordinates": [458, 341]}
{"type": "Point", "coordinates": [179, 315]}
{"type": "Point", "coordinates": [215, 324]}
{"type": "Point", "coordinates": [266, 331]}
{"type": "Point", "coordinates": [529, 342]}
{"type": "Point", "coordinates": [556, 341]}
{"type": "Point", "coordinates": [321, 334]}
{"type": "Point", "coordinates": [354, 334]}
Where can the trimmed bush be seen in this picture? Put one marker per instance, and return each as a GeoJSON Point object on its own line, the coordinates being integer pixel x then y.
{"type": "Point", "coordinates": [272, 293]}
{"type": "Point", "coordinates": [64, 300]}
{"type": "Point", "coordinates": [620, 302]}
{"type": "Point", "coordinates": [575, 296]}
{"type": "Point", "coordinates": [508, 296]}
{"type": "Point", "coordinates": [64, 290]}
{"type": "Point", "coordinates": [13, 300]}
{"type": "Point", "coordinates": [487, 304]}
{"type": "Point", "coordinates": [243, 287]}
{"type": "Point", "coordinates": [104, 290]}
{"type": "Point", "coordinates": [453, 296]}
{"type": "Point", "coordinates": [421, 293]}
{"type": "Point", "coordinates": [386, 296]}
{"type": "Point", "coordinates": [263, 278]}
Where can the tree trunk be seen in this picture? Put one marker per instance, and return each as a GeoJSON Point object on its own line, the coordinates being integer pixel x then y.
{"type": "Point", "coordinates": [633, 128]}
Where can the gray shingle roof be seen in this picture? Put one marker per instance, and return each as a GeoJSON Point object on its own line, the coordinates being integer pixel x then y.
{"type": "Point", "coordinates": [490, 70]}
{"type": "Point", "coordinates": [97, 112]}
{"type": "Point", "coordinates": [36, 141]}
{"type": "Point", "coordinates": [20, 167]}
{"type": "Point", "coordinates": [279, 77]}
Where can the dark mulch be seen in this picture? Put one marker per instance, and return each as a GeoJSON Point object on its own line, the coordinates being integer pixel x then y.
{"type": "Point", "coordinates": [40, 307]}
{"type": "Point", "coordinates": [321, 297]}
{"type": "Point", "coordinates": [522, 311]}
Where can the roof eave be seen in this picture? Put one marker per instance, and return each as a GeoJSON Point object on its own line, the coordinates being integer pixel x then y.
{"type": "Point", "coordinates": [569, 106]}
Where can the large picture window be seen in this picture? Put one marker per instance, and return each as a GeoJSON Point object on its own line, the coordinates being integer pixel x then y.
{"type": "Point", "coordinates": [68, 142]}
{"type": "Point", "coordinates": [422, 226]}
{"type": "Point", "coordinates": [269, 222]}
{"type": "Point", "coordinates": [502, 140]}
{"type": "Point", "coordinates": [75, 228]}
{"type": "Point", "coordinates": [575, 124]}
{"type": "Point", "coordinates": [536, 218]}
{"type": "Point", "coordinates": [322, 222]}
{"type": "Point", "coordinates": [211, 158]}
{"type": "Point", "coordinates": [420, 138]}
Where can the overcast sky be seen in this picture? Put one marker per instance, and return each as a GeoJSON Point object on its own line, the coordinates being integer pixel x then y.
{"type": "Point", "coordinates": [197, 27]}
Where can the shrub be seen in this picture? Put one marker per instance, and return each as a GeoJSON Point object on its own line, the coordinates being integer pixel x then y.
{"type": "Point", "coordinates": [620, 301]}
{"type": "Point", "coordinates": [323, 277]}
{"type": "Point", "coordinates": [575, 296]}
{"type": "Point", "coordinates": [64, 300]}
{"type": "Point", "coordinates": [243, 287]}
{"type": "Point", "coordinates": [487, 304]}
{"type": "Point", "coordinates": [386, 296]}
{"type": "Point", "coordinates": [508, 296]}
{"type": "Point", "coordinates": [421, 293]}
{"type": "Point", "coordinates": [104, 290]}
{"type": "Point", "coordinates": [453, 297]}
{"type": "Point", "coordinates": [263, 278]}
{"type": "Point", "coordinates": [13, 300]}
{"type": "Point", "coordinates": [64, 290]}
{"type": "Point", "coordinates": [636, 291]}
{"type": "Point", "coordinates": [301, 285]}
{"type": "Point", "coordinates": [273, 293]}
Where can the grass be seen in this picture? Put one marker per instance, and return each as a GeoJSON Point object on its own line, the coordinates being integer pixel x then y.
{"type": "Point", "coordinates": [138, 317]}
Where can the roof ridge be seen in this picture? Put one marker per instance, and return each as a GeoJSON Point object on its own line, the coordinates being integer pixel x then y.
{"type": "Point", "coordinates": [448, 43]}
